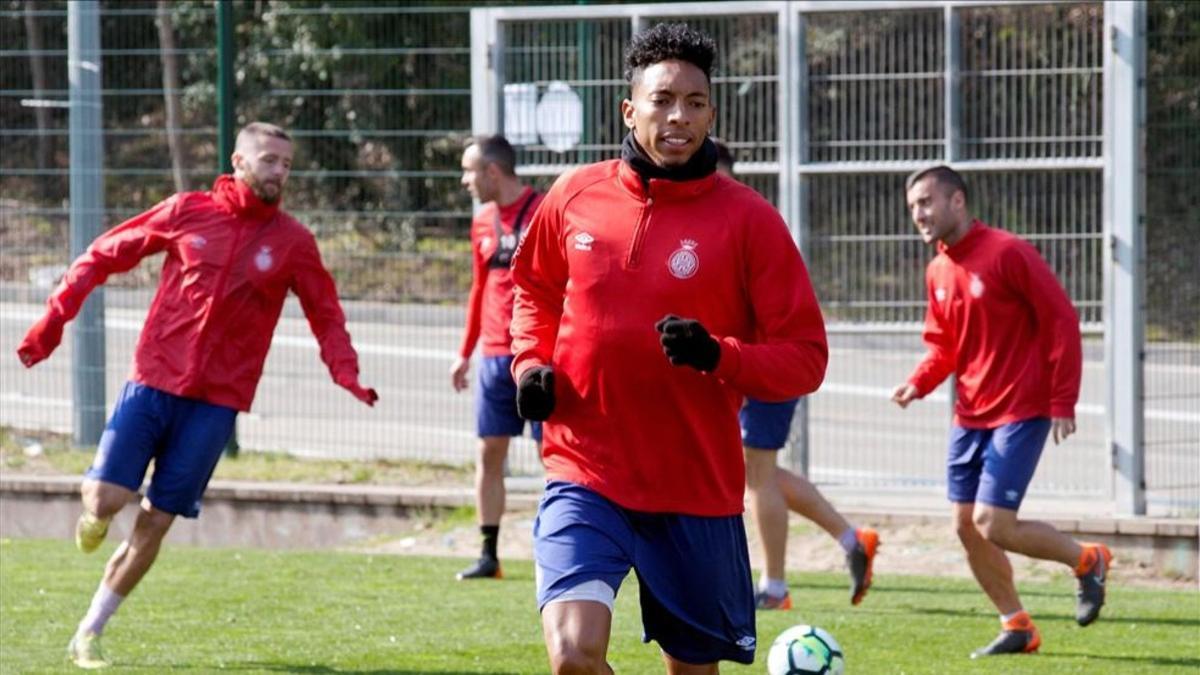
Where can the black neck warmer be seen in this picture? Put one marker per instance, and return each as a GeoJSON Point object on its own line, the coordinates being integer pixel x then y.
{"type": "Point", "coordinates": [702, 164]}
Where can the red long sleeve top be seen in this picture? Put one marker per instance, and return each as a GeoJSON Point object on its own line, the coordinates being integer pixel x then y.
{"type": "Point", "coordinates": [490, 301]}
{"type": "Point", "coordinates": [605, 258]}
{"type": "Point", "coordinates": [230, 262]}
{"type": "Point", "coordinates": [999, 319]}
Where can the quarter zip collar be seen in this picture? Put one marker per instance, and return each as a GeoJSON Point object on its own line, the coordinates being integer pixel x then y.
{"type": "Point", "coordinates": [237, 198]}
{"type": "Point", "coordinates": [965, 245]}
{"type": "Point", "coordinates": [661, 188]}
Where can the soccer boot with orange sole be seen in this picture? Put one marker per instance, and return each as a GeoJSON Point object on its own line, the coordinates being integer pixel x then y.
{"type": "Point", "coordinates": [1018, 635]}
{"type": "Point", "coordinates": [1091, 574]}
{"type": "Point", "coordinates": [861, 562]}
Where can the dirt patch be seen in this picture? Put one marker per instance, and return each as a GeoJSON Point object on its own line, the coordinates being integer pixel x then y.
{"type": "Point", "coordinates": [911, 549]}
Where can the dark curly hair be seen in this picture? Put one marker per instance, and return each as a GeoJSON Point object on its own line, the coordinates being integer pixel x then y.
{"type": "Point", "coordinates": [668, 41]}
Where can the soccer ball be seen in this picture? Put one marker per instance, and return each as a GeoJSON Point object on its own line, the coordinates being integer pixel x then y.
{"type": "Point", "coordinates": [804, 649]}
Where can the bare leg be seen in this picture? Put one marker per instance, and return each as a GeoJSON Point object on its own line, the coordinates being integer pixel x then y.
{"type": "Point", "coordinates": [576, 634]}
{"type": "Point", "coordinates": [1028, 537]}
{"type": "Point", "coordinates": [489, 479]}
{"type": "Point", "coordinates": [988, 562]}
{"type": "Point", "coordinates": [769, 509]}
{"type": "Point", "coordinates": [804, 498]}
{"type": "Point", "coordinates": [136, 554]}
{"type": "Point", "coordinates": [104, 500]}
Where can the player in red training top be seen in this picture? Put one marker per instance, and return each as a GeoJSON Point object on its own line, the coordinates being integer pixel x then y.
{"type": "Point", "coordinates": [999, 319]}
{"type": "Point", "coordinates": [652, 295]}
{"type": "Point", "coordinates": [232, 255]}
{"type": "Point", "coordinates": [489, 173]}
{"type": "Point", "coordinates": [773, 491]}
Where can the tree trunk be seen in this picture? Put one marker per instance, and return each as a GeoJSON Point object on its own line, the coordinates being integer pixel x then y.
{"type": "Point", "coordinates": [171, 93]}
{"type": "Point", "coordinates": [41, 113]}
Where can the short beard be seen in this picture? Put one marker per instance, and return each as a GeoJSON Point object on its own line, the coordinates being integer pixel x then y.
{"type": "Point", "coordinates": [258, 189]}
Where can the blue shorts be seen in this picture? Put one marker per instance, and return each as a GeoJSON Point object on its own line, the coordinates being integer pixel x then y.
{"type": "Point", "coordinates": [765, 426]}
{"type": "Point", "coordinates": [994, 466]}
{"type": "Point", "coordinates": [496, 401]}
{"type": "Point", "coordinates": [183, 436]}
{"type": "Point", "coordinates": [697, 594]}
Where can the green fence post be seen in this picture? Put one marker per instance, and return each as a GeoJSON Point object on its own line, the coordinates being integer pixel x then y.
{"type": "Point", "coordinates": [225, 121]}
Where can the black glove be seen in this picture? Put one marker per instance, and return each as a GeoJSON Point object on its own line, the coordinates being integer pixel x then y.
{"type": "Point", "coordinates": [535, 394]}
{"type": "Point", "coordinates": [687, 343]}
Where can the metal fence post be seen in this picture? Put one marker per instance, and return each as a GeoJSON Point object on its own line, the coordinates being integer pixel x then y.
{"type": "Point", "coordinates": [87, 213]}
{"type": "Point", "coordinates": [794, 190]}
{"type": "Point", "coordinates": [952, 102]}
{"type": "Point", "coordinates": [225, 121]}
{"type": "Point", "coordinates": [1124, 96]}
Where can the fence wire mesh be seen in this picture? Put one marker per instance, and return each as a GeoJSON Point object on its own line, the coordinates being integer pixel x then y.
{"type": "Point", "coordinates": [378, 97]}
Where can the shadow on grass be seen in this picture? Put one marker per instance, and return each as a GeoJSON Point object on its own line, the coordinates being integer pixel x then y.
{"type": "Point", "coordinates": [923, 590]}
{"type": "Point", "coordinates": [1193, 663]}
{"type": "Point", "coordinates": [1158, 621]}
{"type": "Point", "coordinates": [257, 666]}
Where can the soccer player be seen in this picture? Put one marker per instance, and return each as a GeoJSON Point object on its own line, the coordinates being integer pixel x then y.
{"type": "Point", "coordinates": [651, 295]}
{"type": "Point", "coordinates": [489, 174]}
{"type": "Point", "coordinates": [232, 255]}
{"type": "Point", "coordinates": [774, 490]}
{"type": "Point", "coordinates": [999, 319]}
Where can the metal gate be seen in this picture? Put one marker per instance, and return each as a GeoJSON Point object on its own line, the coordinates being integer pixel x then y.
{"type": "Point", "coordinates": [828, 106]}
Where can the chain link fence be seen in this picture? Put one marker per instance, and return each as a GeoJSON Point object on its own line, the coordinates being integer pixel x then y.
{"type": "Point", "coordinates": [379, 99]}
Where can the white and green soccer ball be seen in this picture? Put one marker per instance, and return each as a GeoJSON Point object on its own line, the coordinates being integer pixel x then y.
{"type": "Point", "coordinates": [804, 649]}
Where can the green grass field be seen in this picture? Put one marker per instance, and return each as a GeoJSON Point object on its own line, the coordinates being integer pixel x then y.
{"type": "Point", "coordinates": [203, 610]}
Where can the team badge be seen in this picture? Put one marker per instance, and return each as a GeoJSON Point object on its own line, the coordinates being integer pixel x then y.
{"type": "Point", "coordinates": [263, 259]}
{"type": "Point", "coordinates": [940, 294]}
{"type": "Point", "coordinates": [684, 262]}
{"type": "Point", "coordinates": [197, 242]}
{"type": "Point", "coordinates": [976, 286]}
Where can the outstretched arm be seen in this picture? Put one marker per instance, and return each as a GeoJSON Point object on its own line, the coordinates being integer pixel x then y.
{"type": "Point", "coordinates": [118, 250]}
{"type": "Point", "coordinates": [318, 297]}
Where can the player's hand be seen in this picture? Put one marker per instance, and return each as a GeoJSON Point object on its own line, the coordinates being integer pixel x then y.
{"type": "Point", "coordinates": [41, 339]}
{"type": "Point", "coordinates": [535, 394]}
{"type": "Point", "coordinates": [904, 394]}
{"type": "Point", "coordinates": [364, 394]}
{"type": "Point", "coordinates": [458, 373]}
{"type": "Point", "coordinates": [687, 343]}
{"type": "Point", "coordinates": [1061, 427]}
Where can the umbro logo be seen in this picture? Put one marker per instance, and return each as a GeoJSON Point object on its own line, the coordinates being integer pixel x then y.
{"type": "Point", "coordinates": [746, 642]}
{"type": "Point", "coordinates": [583, 241]}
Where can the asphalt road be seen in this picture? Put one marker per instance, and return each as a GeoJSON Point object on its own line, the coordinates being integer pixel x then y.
{"type": "Point", "coordinates": [857, 436]}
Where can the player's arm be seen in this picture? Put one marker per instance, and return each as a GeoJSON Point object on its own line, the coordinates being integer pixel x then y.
{"type": "Point", "coordinates": [539, 273]}
{"type": "Point", "coordinates": [938, 363]}
{"type": "Point", "coordinates": [790, 353]}
{"type": "Point", "coordinates": [117, 250]}
{"type": "Point", "coordinates": [315, 287]}
{"type": "Point", "coordinates": [1058, 325]}
{"type": "Point", "coordinates": [474, 320]}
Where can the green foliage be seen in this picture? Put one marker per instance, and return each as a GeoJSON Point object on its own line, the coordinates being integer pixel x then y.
{"type": "Point", "coordinates": [258, 612]}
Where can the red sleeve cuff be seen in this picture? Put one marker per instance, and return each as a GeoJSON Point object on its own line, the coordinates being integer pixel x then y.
{"type": "Point", "coordinates": [1064, 410]}
{"type": "Point", "coordinates": [730, 363]}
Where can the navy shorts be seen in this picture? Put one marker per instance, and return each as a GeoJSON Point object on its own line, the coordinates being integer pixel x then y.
{"type": "Point", "coordinates": [183, 436]}
{"type": "Point", "coordinates": [697, 594]}
{"type": "Point", "coordinates": [496, 401]}
{"type": "Point", "coordinates": [994, 466]}
{"type": "Point", "coordinates": [766, 426]}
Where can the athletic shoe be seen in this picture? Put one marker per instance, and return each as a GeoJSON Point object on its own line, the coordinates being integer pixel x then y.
{"type": "Point", "coordinates": [484, 568]}
{"type": "Point", "coordinates": [1091, 573]}
{"type": "Point", "coordinates": [764, 600]}
{"type": "Point", "coordinates": [90, 532]}
{"type": "Point", "coordinates": [1017, 636]}
{"type": "Point", "coordinates": [84, 651]}
{"type": "Point", "coordinates": [860, 561]}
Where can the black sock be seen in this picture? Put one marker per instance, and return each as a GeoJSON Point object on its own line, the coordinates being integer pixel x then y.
{"type": "Point", "coordinates": [490, 534]}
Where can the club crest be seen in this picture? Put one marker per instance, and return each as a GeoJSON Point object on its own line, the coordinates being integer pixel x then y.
{"type": "Point", "coordinates": [684, 262]}
{"type": "Point", "coordinates": [263, 259]}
